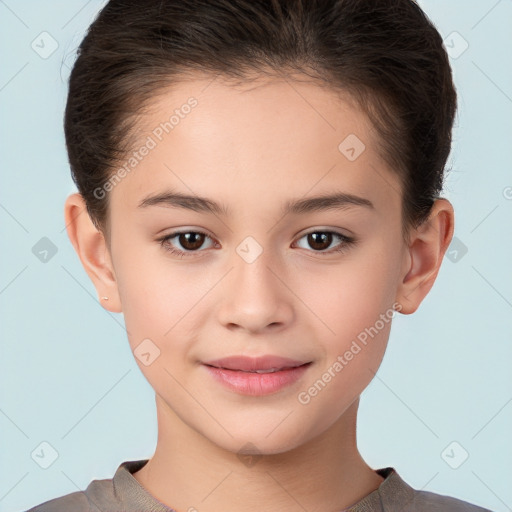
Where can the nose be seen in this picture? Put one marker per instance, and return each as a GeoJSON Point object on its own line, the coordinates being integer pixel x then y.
{"type": "Point", "coordinates": [255, 296]}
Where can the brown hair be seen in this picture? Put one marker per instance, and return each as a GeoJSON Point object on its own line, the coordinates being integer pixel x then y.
{"type": "Point", "coordinates": [385, 53]}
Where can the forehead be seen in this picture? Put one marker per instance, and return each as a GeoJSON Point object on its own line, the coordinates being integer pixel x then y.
{"type": "Point", "coordinates": [267, 137]}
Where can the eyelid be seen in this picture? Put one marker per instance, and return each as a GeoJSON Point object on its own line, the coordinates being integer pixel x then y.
{"type": "Point", "coordinates": [326, 229]}
{"type": "Point", "coordinates": [174, 234]}
{"type": "Point", "coordinates": [346, 240]}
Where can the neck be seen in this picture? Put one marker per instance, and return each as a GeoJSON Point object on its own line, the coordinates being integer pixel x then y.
{"type": "Point", "coordinates": [188, 471]}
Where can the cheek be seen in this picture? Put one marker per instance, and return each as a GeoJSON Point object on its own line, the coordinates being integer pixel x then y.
{"type": "Point", "coordinates": [161, 300]}
{"type": "Point", "coordinates": [351, 295]}
{"type": "Point", "coordinates": [149, 297]}
{"type": "Point", "coordinates": [339, 300]}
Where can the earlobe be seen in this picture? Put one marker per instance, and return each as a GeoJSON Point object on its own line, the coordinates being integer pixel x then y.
{"type": "Point", "coordinates": [91, 247]}
{"type": "Point", "coordinates": [427, 246]}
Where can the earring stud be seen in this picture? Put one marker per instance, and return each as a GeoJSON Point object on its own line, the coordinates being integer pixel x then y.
{"type": "Point", "coordinates": [104, 298]}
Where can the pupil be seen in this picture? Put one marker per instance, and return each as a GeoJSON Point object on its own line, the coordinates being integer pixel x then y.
{"type": "Point", "coordinates": [323, 236]}
{"type": "Point", "coordinates": [189, 240]}
{"type": "Point", "coordinates": [193, 241]}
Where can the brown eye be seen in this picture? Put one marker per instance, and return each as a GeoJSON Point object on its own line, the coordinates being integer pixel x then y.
{"type": "Point", "coordinates": [319, 239]}
{"type": "Point", "coordinates": [184, 243]}
{"type": "Point", "coordinates": [191, 241]}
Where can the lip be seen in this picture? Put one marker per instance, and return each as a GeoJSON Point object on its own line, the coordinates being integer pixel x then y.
{"type": "Point", "coordinates": [239, 373]}
{"type": "Point", "coordinates": [250, 364]}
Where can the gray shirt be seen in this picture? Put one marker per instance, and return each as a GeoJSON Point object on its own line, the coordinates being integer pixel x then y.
{"type": "Point", "coordinates": [124, 493]}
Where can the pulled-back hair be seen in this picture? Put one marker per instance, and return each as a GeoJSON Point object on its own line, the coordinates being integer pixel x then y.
{"type": "Point", "coordinates": [386, 54]}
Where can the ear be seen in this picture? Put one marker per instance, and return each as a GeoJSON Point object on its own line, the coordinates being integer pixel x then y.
{"type": "Point", "coordinates": [424, 255]}
{"type": "Point", "coordinates": [93, 251]}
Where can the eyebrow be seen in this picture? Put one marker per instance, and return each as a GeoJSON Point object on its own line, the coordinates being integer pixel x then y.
{"type": "Point", "coordinates": [336, 201]}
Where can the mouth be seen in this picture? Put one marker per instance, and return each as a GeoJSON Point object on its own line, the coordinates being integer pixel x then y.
{"type": "Point", "coordinates": [263, 364]}
{"type": "Point", "coordinates": [256, 376]}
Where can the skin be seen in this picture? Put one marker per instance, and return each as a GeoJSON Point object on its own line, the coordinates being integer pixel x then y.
{"type": "Point", "coordinates": [254, 147]}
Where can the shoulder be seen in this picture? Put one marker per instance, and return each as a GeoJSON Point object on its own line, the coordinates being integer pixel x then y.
{"type": "Point", "coordinates": [74, 501]}
{"type": "Point", "coordinates": [110, 494]}
{"type": "Point", "coordinates": [395, 493]}
{"type": "Point", "coordinates": [99, 495]}
{"type": "Point", "coordinates": [429, 501]}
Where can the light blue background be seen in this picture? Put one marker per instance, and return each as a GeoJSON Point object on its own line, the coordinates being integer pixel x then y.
{"type": "Point", "coordinates": [68, 376]}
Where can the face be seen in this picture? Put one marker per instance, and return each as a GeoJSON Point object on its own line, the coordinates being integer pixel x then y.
{"type": "Point", "coordinates": [307, 290]}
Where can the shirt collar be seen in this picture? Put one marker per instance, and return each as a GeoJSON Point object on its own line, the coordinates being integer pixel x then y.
{"type": "Point", "coordinates": [392, 494]}
{"type": "Point", "coordinates": [128, 490]}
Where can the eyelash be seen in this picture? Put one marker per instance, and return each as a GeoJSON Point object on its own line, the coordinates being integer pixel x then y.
{"type": "Point", "coordinates": [347, 242]}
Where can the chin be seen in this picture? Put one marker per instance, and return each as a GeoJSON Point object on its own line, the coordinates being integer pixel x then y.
{"type": "Point", "coordinates": [259, 442]}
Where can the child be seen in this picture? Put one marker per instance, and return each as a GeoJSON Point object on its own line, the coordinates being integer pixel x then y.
{"type": "Point", "coordinates": [262, 184]}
